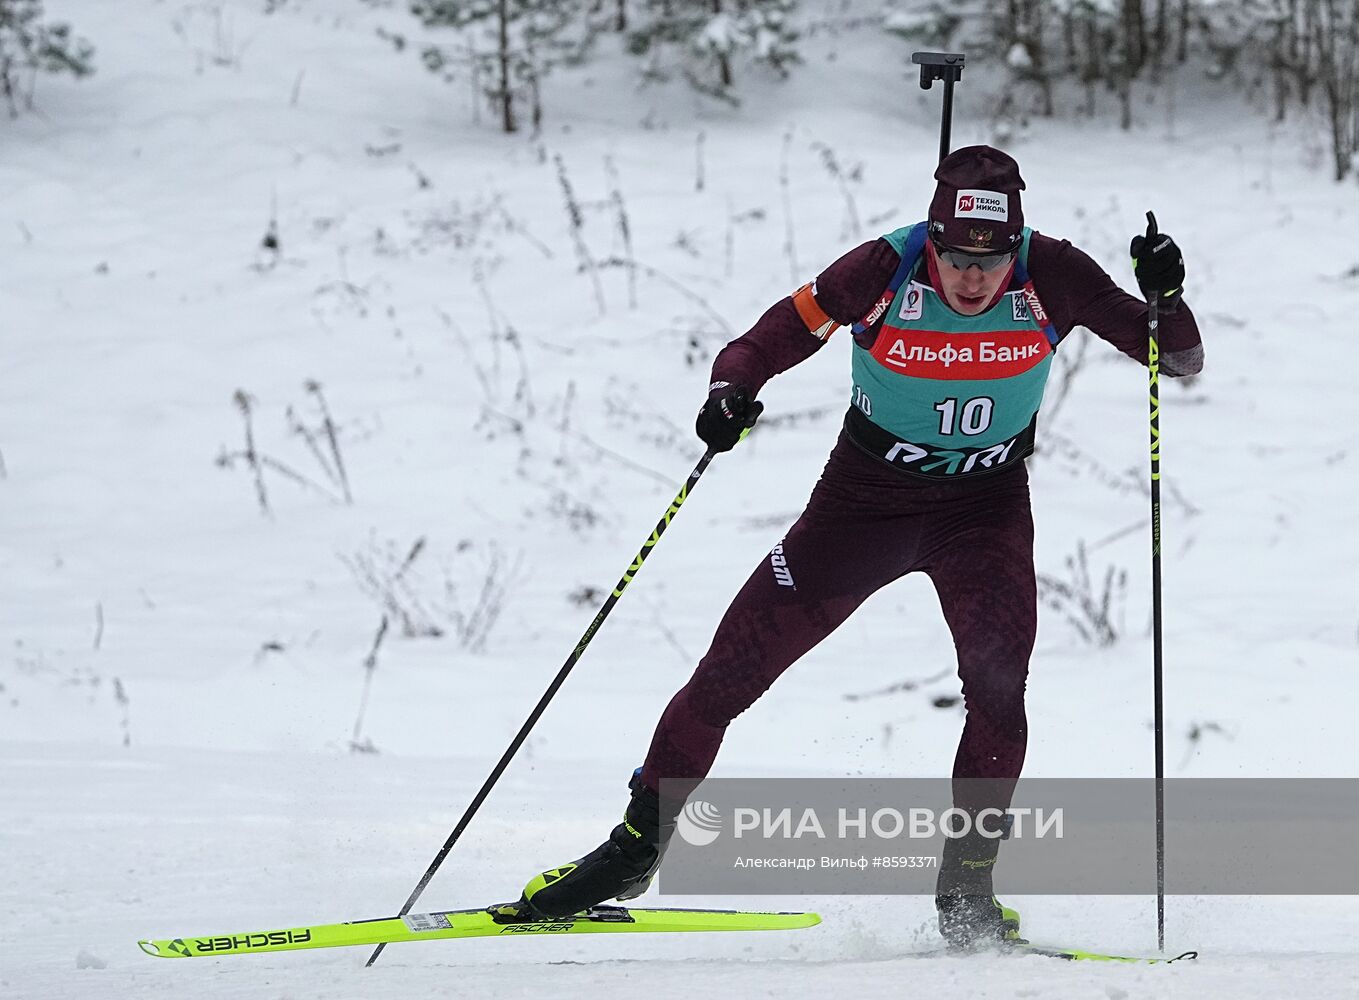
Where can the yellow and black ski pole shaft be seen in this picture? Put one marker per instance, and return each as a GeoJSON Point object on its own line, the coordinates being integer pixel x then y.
{"type": "Point", "coordinates": [551, 691]}
{"type": "Point", "coordinates": [1154, 377]}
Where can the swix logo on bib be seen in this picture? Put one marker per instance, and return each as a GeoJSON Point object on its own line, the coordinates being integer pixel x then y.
{"type": "Point", "coordinates": [879, 308]}
{"type": "Point", "coordinates": [943, 355]}
{"type": "Point", "coordinates": [1036, 307]}
{"type": "Point", "coordinates": [975, 204]}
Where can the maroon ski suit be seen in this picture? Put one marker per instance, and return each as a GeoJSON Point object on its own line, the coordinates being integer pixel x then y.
{"type": "Point", "coordinates": [868, 523]}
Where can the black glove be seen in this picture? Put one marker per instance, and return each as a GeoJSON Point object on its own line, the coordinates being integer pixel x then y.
{"type": "Point", "coordinates": [726, 417]}
{"type": "Point", "coordinates": [1158, 265]}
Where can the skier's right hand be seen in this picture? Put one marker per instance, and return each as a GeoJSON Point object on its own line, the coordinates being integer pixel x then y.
{"type": "Point", "coordinates": [726, 417]}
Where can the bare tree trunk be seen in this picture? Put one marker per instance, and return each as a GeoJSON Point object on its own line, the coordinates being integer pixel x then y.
{"type": "Point", "coordinates": [503, 55]}
{"type": "Point", "coordinates": [1125, 98]}
{"type": "Point", "coordinates": [1160, 36]}
{"type": "Point", "coordinates": [1124, 68]}
{"type": "Point", "coordinates": [1347, 114]}
{"type": "Point", "coordinates": [1336, 34]}
{"type": "Point", "coordinates": [536, 103]}
{"type": "Point", "coordinates": [1069, 41]}
{"type": "Point", "coordinates": [1034, 32]}
{"type": "Point", "coordinates": [1323, 24]}
{"type": "Point", "coordinates": [620, 23]}
{"type": "Point", "coordinates": [1280, 68]}
{"type": "Point", "coordinates": [1307, 58]}
{"type": "Point", "coordinates": [1134, 35]}
{"type": "Point", "coordinates": [1094, 70]}
{"type": "Point", "coordinates": [7, 84]}
{"type": "Point", "coordinates": [1291, 30]}
{"type": "Point", "coordinates": [723, 60]}
{"type": "Point", "coordinates": [1182, 48]}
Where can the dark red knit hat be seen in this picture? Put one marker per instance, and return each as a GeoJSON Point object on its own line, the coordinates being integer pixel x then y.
{"type": "Point", "coordinates": [976, 203]}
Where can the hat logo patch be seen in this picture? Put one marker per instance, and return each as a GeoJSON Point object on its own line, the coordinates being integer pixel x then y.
{"type": "Point", "coordinates": [974, 204]}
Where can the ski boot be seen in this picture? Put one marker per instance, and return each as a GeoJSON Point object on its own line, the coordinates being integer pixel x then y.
{"type": "Point", "coordinates": [973, 921]}
{"type": "Point", "coordinates": [620, 868]}
{"type": "Point", "coordinates": [970, 916]}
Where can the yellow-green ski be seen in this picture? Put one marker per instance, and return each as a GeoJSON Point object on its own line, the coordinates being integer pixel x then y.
{"type": "Point", "coordinates": [1076, 955]}
{"type": "Point", "coordinates": [495, 921]}
{"type": "Point", "coordinates": [1019, 946]}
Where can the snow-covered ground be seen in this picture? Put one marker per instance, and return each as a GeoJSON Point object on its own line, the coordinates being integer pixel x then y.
{"type": "Point", "coordinates": [180, 674]}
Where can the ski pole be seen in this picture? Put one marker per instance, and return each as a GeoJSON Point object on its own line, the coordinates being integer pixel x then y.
{"type": "Point", "coordinates": [1154, 375]}
{"type": "Point", "coordinates": [557, 682]}
{"type": "Point", "coordinates": [946, 66]}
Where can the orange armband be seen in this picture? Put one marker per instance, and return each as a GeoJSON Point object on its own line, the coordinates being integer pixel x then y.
{"type": "Point", "coordinates": [818, 324]}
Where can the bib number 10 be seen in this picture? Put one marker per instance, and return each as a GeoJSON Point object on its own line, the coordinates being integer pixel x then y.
{"type": "Point", "coordinates": [973, 417]}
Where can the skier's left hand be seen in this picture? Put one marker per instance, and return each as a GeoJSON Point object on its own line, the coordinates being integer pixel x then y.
{"type": "Point", "coordinates": [1159, 265]}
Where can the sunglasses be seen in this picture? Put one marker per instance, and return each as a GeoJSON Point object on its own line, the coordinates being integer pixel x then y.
{"type": "Point", "coordinates": [962, 260]}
